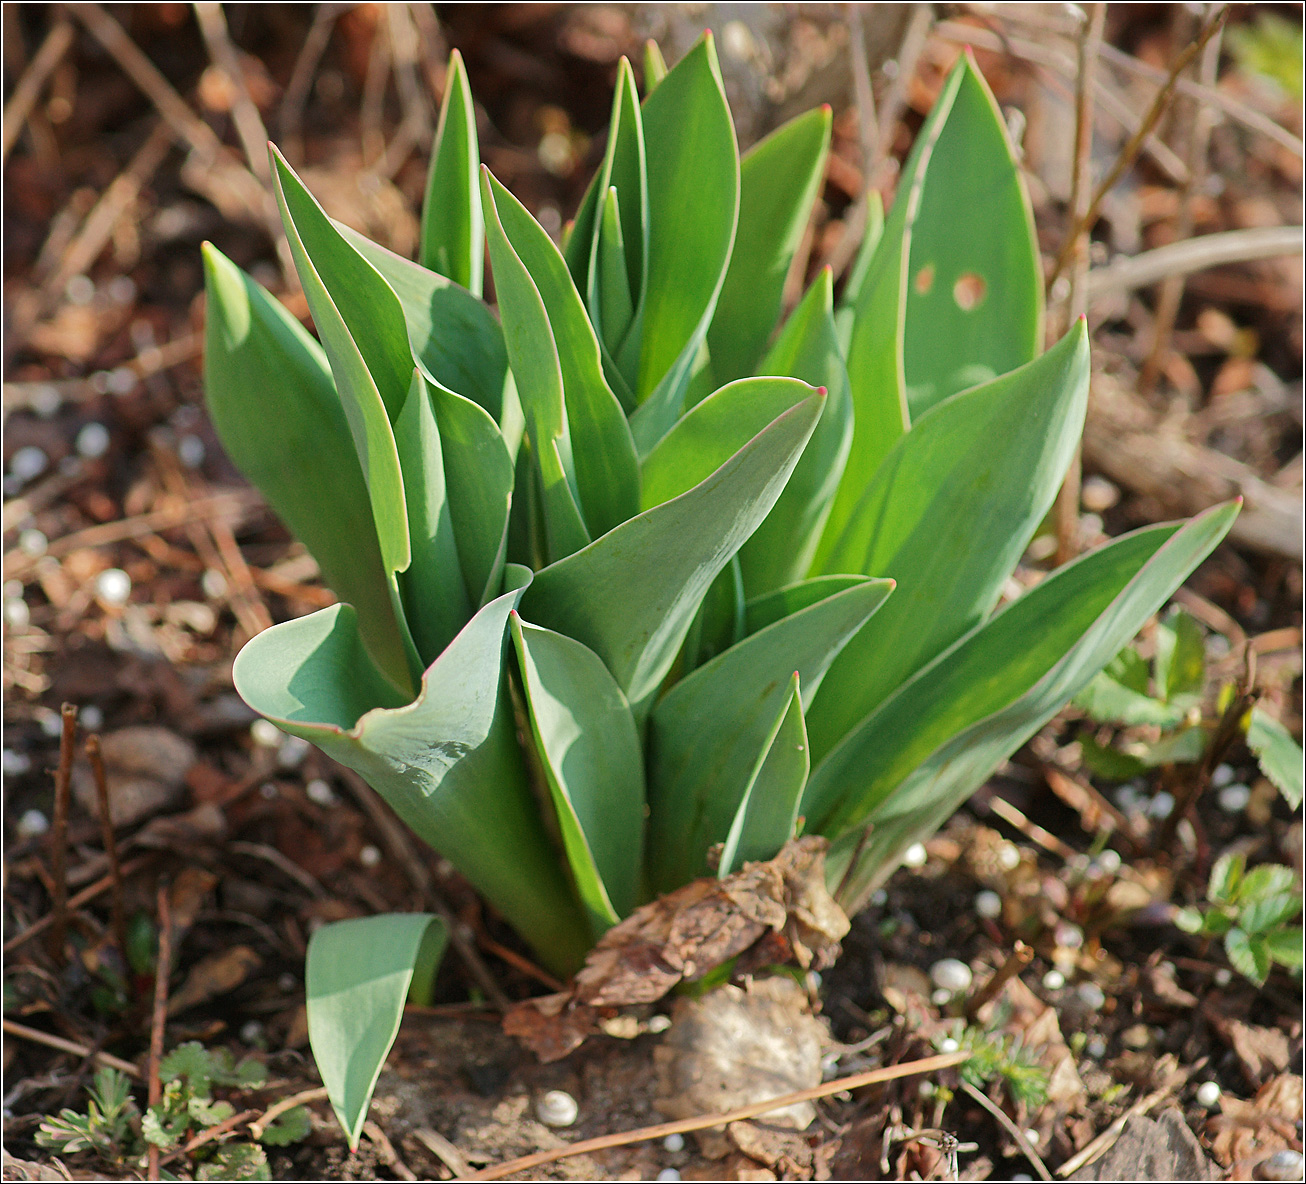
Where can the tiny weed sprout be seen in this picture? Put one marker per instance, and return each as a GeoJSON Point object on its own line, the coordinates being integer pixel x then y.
{"type": "Point", "coordinates": [629, 571]}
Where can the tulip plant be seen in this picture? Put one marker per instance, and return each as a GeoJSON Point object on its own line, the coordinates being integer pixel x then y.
{"type": "Point", "coordinates": [631, 573]}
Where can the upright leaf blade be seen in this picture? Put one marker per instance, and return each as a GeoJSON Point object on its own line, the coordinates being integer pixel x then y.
{"type": "Point", "coordinates": [778, 182]}
{"type": "Point", "coordinates": [693, 204]}
{"type": "Point", "coordinates": [447, 762]}
{"type": "Point", "coordinates": [706, 732]}
{"type": "Point", "coordinates": [948, 515]}
{"type": "Point", "coordinates": [1279, 754]}
{"type": "Point", "coordinates": [260, 366]}
{"type": "Point", "coordinates": [591, 754]}
{"type": "Point", "coordinates": [357, 976]}
{"type": "Point", "coordinates": [768, 813]}
{"type": "Point", "coordinates": [453, 229]}
{"type": "Point", "coordinates": [912, 762]}
{"type": "Point", "coordinates": [631, 595]}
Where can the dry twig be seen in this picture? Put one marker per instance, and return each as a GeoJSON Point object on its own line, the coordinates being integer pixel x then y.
{"type": "Point", "coordinates": [59, 832]}
{"type": "Point", "coordinates": [85, 896]}
{"type": "Point", "coordinates": [96, 759]}
{"type": "Point", "coordinates": [1022, 1140]}
{"type": "Point", "coordinates": [23, 1032]}
{"type": "Point", "coordinates": [57, 43]}
{"type": "Point", "coordinates": [162, 969]}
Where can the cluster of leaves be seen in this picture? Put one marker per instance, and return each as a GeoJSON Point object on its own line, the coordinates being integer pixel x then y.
{"type": "Point", "coordinates": [1251, 911]}
{"type": "Point", "coordinates": [995, 1056]}
{"type": "Point", "coordinates": [115, 1130]}
{"type": "Point", "coordinates": [615, 566]}
{"type": "Point", "coordinates": [1173, 706]}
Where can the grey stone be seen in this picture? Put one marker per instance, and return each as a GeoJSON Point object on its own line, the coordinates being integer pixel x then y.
{"type": "Point", "coordinates": [1152, 1149]}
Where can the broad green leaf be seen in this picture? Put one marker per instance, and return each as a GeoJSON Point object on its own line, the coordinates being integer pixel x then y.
{"type": "Point", "coordinates": [624, 169]}
{"type": "Point", "coordinates": [631, 595]}
{"type": "Point", "coordinates": [591, 755]}
{"type": "Point", "coordinates": [778, 181]}
{"type": "Point", "coordinates": [1277, 753]}
{"type": "Point", "coordinates": [711, 433]}
{"type": "Point", "coordinates": [706, 732]}
{"type": "Point", "coordinates": [852, 289]}
{"type": "Point", "coordinates": [453, 336]}
{"type": "Point", "coordinates": [770, 607]}
{"type": "Point", "coordinates": [1270, 912]}
{"type": "Point", "coordinates": [1129, 669]}
{"type": "Point", "coordinates": [602, 451]}
{"type": "Point", "coordinates": [719, 622]}
{"type": "Point", "coordinates": [447, 762]}
{"type": "Point", "coordinates": [1189, 920]}
{"type": "Point", "coordinates": [357, 975]}
{"type": "Point", "coordinates": [1225, 881]}
{"type": "Point", "coordinates": [615, 308]}
{"type": "Point", "coordinates": [364, 301]}
{"type": "Point", "coordinates": [453, 232]}
{"type": "Point", "coordinates": [906, 767]}
{"type": "Point", "coordinates": [432, 589]}
{"type": "Point", "coordinates": [478, 474]}
{"type": "Point", "coordinates": [781, 550]}
{"type": "Point", "coordinates": [655, 66]}
{"type": "Point", "coordinates": [367, 410]}
{"type": "Point", "coordinates": [1180, 662]}
{"type": "Point", "coordinates": [1109, 762]}
{"type": "Point", "coordinates": [1185, 747]}
{"type": "Point", "coordinates": [262, 369]}
{"type": "Point", "coordinates": [948, 516]}
{"type": "Point", "coordinates": [693, 206]}
{"type": "Point", "coordinates": [1285, 946]}
{"type": "Point", "coordinates": [1248, 955]}
{"type": "Point", "coordinates": [1108, 701]}
{"type": "Point", "coordinates": [537, 370]}
{"type": "Point", "coordinates": [974, 296]}
{"type": "Point", "coordinates": [768, 813]}
{"type": "Point", "coordinates": [1263, 882]}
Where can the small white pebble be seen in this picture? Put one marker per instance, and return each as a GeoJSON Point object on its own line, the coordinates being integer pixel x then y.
{"type": "Point", "coordinates": [948, 1045]}
{"type": "Point", "coordinates": [32, 542]}
{"type": "Point", "coordinates": [1091, 995]}
{"type": "Point", "coordinates": [122, 381]}
{"type": "Point", "coordinates": [33, 823]}
{"type": "Point", "coordinates": [1109, 861]}
{"type": "Point", "coordinates": [557, 1108]}
{"type": "Point", "coordinates": [17, 614]}
{"type": "Point", "coordinates": [92, 441]}
{"type": "Point", "coordinates": [1222, 775]}
{"type": "Point", "coordinates": [1054, 980]}
{"type": "Point", "coordinates": [951, 974]}
{"type": "Point", "coordinates": [1233, 799]}
{"type": "Point", "coordinates": [292, 752]}
{"type": "Point", "coordinates": [79, 290]}
{"type": "Point", "coordinates": [669, 1173]}
{"type": "Point", "coordinates": [879, 898]}
{"type": "Point", "coordinates": [213, 584]}
{"type": "Point", "coordinates": [286, 983]}
{"type": "Point", "coordinates": [266, 734]}
{"type": "Point", "coordinates": [674, 1143]}
{"type": "Point", "coordinates": [251, 1032]}
{"type": "Point", "coordinates": [988, 904]}
{"type": "Point", "coordinates": [320, 793]}
{"type": "Point", "coordinates": [92, 718]}
{"type": "Point", "coordinates": [1282, 1165]}
{"type": "Point", "coordinates": [1223, 976]}
{"type": "Point", "coordinates": [369, 856]}
{"type": "Point", "coordinates": [1208, 1095]}
{"type": "Point", "coordinates": [658, 1023]}
{"type": "Point", "coordinates": [29, 462]}
{"type": "Point", "coordinates": [100, 382]}
{"type": "Point", "coordinates": [1098, 494]}
{"type": "Point", "coordinates": [121, 289]}
{"type": "Point", "coordinates": [1069, 936]}
{"type": "Point", "coordinates": [1096, 1047]}
{"type": "Point", "coordinates": [915, 856]}
{"type": "Point", "coordinates": [51, 722]}
{"type": "Point", "coordinates": [1032, 1136]}
{"type": "Point", "coordinates": [1009, 857]}
{"type": "Point", "coordinates": [113, 586]}
{"type": "Point", "coordinates": [190, 450]}
{"type": "Point", "coordinates": [268, 792]}
{"type": "Point", "coordinates": [46, 401]}
{"type": "Point", "coordinates": [1162, 805]}
{"type": "Point", "coordinates": [15, 764]}
{"type": "Point", "coordinates": [940, 996]}
{"type": "Point", "coordinates": [926, 1089]}
{"type": "Point", "coordinates": [1090, 526]}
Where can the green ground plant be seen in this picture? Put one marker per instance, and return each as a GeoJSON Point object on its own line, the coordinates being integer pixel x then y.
{"type": "Point", "coordinates": [632, 569]}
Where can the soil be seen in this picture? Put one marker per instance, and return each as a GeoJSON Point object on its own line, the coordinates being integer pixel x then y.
{"type": "Point", "coordinates": [257, 839]}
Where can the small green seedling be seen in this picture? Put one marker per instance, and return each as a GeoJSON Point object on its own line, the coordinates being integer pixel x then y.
{"type": "Point", "coordinates": [1251, 911]}
{"type": "Point", "coordinates": [994, 1056]}
{"type": "Point", "coordinates": [633, 567]}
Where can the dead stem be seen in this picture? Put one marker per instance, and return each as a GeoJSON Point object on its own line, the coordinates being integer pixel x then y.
{"type": "Point", "coordinates": [1022, 1140]}
{"type": "Point", "coordinates": [1020, 957]}
{"type": "Point", "coordinates": [119, 910]}
{"type": "Point", "coordinates": [59, 833]}
{"type": "Point", "coordinates": [57, 43]}
{"type": "Point", "coordinates": [23, 1032]}
{"type": "Point", "coordinates": [160, 1017]}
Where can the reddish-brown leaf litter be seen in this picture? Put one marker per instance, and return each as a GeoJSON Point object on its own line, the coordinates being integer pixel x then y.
{"type": "Point", "coordinates": [1038, 927]}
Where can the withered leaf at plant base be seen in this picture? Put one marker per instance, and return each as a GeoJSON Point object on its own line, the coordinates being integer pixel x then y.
{"type": "Point", "coordinates": [213, 976]}
{"type": "Point", "coordinates": [685, 934]}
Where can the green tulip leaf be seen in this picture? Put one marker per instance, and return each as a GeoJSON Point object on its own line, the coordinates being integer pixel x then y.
{"type": "Point", "coordinates": [1180, 661]}
{"type": "Point", "coordinates": [357, 976]}
{"type": "Point", "coordinates": [453, 230]}
{"type": "Point", "coordinates": [655, 66]}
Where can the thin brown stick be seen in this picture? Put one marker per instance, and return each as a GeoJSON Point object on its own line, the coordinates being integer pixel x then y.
{"type": "Point", "coordinates": [290, 119]}
{"type": "Point", "coordinates": [159, 1019]}
{"type": "Point", "coordinates": [207, 1136]}
{"type": "Point", "coordinates": [1172, 290]}
{"type": "Point", "coordinates": [444, 1151]}
{"type": "Point", "coordinates": [1010, 1127]}
{"type": "Point", "coordinates": [244, 114]}
{"type": "Point", "coordinates": [1020, 957]}
{"type": "Point", "coordinates": [1129, 153]}
{"type": "Point", "coordinates": [23, 1032]}
{"type": "Point", "coordinates": [85, 896]}
{"type": "Point", "coordinates": [518, 962]}
{"type": "Point", "coordinates": [273, 1112]}
{"type": "Point", "coordinates": [1104, 1142]}
{"type": "Point", "coordinates": [119, 910]}
{"type": "Point", "coordinates": [1067, 508]}
{"type": "Point", "coordinates": [59, 832]}
{"type": "Point", "coordinates": [57, 43]}
{"type": "Point", "coordinates": [703, 1121]}
{"type": "Point", "coordinates": [1031, 830]}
